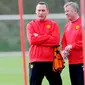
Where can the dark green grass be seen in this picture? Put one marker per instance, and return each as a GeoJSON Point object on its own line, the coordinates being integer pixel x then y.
{"type": "Point", "coordinates": [11, 72]}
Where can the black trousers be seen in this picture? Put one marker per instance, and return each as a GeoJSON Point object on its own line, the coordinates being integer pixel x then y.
{"type": "Point", "coordinates": [38, 70]}
{"type": "Point", "coordinates": [76, 74]}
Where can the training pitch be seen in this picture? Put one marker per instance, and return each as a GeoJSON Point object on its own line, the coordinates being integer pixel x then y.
{"type": "Point", "coordinates": [11, 71]}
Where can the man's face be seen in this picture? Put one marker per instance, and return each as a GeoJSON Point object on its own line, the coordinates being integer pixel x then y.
{"type": "Point", "coordinates": [41, 12]}
{"type": "Point", "coordinates": [70, 13]}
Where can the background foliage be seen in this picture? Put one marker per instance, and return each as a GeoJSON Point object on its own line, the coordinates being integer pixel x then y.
{"type": "Point", "coordinates": [11, 6]}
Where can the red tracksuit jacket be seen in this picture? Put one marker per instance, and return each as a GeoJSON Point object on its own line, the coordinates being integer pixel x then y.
{"type": "Point", "coordinates": [41, 46]}
{"type": "Point", "coordinates": [73, 36]}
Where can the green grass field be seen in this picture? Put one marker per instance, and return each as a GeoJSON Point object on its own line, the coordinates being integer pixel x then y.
{"type": "Point", "coordinates": [11, 71]}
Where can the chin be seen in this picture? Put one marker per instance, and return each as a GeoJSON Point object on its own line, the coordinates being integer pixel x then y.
{"type": "Point", "coordinates": [41, 19]}
{"type": "Point", "coordinates": [70, 19]}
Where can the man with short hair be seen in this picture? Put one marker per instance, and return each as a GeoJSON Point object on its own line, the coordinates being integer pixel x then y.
{"type": "Point", "coordinates": [72, 43]}
{"type": "Point", "coordinates": [43, 35]}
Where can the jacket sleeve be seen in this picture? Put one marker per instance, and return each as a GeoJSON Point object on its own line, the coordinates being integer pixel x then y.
{"type": "Point", "coordinates": [35, 40]}
{"type": "Point", "coordinates": [63, 41]}
{"type": "Point", "coordinates": [54, 38]}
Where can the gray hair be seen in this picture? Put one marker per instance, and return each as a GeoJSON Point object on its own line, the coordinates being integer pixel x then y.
{"type": "Point", "coordinates": [74, 5]}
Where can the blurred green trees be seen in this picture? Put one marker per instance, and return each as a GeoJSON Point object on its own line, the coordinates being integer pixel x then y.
{"type": "Point", "coordinates": [11, 6]}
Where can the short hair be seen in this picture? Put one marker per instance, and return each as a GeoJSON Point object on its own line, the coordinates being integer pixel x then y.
{"type": "Point", "coordinates": [74, 5]}
{"type": "Point", "coordinates": [43, 3]}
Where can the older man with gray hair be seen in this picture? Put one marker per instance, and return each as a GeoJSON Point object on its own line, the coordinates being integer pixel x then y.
{"type": "Point", "coordinates": [72, 43]}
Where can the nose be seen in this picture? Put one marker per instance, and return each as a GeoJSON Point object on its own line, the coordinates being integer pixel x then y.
{"type": "Point", "coordinates": [40, 12]}
{"type": "Point", "coordinates": [66, 13]}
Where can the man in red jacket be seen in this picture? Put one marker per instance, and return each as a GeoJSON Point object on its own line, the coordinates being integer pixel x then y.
{"type": "Point", "coordinates": [72, 43]}
{"type": "Point", "coordinates": [42, 34]}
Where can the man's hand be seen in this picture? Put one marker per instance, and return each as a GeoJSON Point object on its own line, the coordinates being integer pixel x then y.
{"type": "Point", "coordinates": [68, 48]}
{"type": "Point", "coordinates": [35, 34]}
